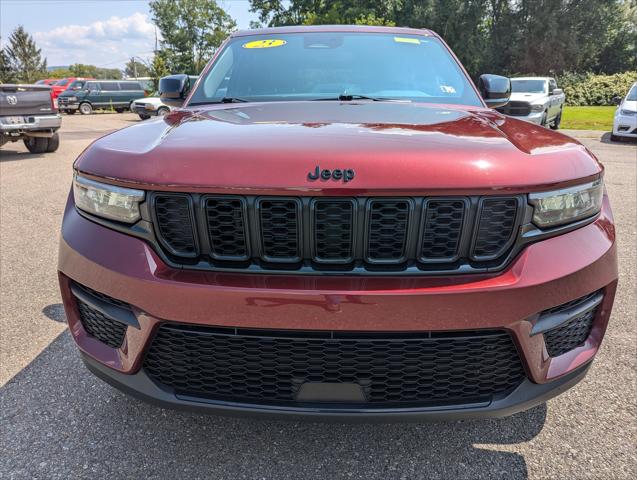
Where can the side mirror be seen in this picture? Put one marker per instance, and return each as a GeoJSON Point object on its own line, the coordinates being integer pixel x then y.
{"type": "Point", "coordinates": [617, 101]}
{"type": "Point", "coordinates": [557, 91]}
{"type": "Point", "coordinates": [174, 89]}
{"type": "Point", "coordinates": [494, 89]}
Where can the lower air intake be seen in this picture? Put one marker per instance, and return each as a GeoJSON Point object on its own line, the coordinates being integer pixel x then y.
{"type": "Point", "coordinates": [270, 367]}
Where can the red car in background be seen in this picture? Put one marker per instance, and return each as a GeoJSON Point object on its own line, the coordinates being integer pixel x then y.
{"type": "Point", "coordinates": [64, 83]}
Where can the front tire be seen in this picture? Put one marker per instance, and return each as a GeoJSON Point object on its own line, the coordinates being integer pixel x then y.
{"type": "Point", "coordinates": [144, 117]}
{"type": "Point", "coordinates": [36, 144]}
{"type": "Point", "coordinates": [543, 121]}
{"type": "Point", "coordinates": [615, 138]}
{"type": "Point", "coordinates": [86, 108]}
{"type": "Point", "coordinates": [556, 123]}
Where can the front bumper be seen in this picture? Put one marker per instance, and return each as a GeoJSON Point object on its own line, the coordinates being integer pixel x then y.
{"type": "Point", "coordinates": [625, 126]}
{"type": "Point", "coordinates": [533, 117]}
{"type": "Point", "coordinates": [68, 106]}
{"type": "Point", "coordinates": [544, 275]}
{"type": "Point", "coordinates": [141, 110]}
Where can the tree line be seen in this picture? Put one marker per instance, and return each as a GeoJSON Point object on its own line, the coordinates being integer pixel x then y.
{"type": "Point", "coordinates": [497, 36]}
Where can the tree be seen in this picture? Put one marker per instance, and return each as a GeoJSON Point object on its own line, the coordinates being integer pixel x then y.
{"type": "Point", "coordinates": [136, 68]}
{"type": "Point", "coordinates": [191, 32]}
{"type": "Point", "coordinates": [496, 36]}
{"type": "Point", "coordinates": [7, 75]}
{"type": "Point", "coordinates": [25, 58]}
{"type": "Point", "coordinates": [91, 71]}
{"type": "Point", "coordinates": [158, 69]}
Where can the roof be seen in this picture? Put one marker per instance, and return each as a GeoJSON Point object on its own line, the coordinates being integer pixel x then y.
{"type": "Point", "coordinates": [531, 78]}
{"type": "Point", "coordinates": [334, 28]}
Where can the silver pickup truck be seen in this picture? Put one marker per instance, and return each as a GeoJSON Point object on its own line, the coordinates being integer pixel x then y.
{"type": "Point", "coordinates": [27, 113]}
{"type": "Point", "coordinates": [537, 100]}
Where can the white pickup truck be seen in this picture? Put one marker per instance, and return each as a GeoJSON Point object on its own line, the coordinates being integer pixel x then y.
{"type": "Point", "coordinates": [537, 100]}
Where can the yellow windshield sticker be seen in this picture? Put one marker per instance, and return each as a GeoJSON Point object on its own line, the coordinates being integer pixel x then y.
{"type": "Point", "coordinates": [265, 43]}
{"type": "Point", "coordinates": [407, 40]}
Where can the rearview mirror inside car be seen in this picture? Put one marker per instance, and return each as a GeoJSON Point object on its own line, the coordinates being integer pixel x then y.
{"type": "Point", "coordinates": [494, 89]}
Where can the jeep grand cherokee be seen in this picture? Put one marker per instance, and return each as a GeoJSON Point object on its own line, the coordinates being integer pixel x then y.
{"type": "Point", "coordinates": [336, 224]}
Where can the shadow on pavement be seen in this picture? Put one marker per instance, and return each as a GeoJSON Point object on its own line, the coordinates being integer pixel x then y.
{"type": "Point", "coordinates": [624, 141]}
{"type": "Point", "coordinates": [59, 421]}
{"type": "Point", "coordinates": [55, 312]}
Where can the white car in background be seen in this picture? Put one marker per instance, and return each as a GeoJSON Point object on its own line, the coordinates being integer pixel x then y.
{"type": "Point", "coordinates": [537, 100]}
{"type": "Point", "coordinates": [625, 122]}
{"type": "Point", "coordinates": [150, 106]}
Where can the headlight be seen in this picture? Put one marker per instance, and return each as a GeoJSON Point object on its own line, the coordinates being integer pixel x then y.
{"type": "Point", "coordinates": [537, 107]}
{"type": "Point", "coordinates": [628, 112]}
{"type": "Point", "coordinates": [108, 201]}
{"type": "Point", "coordinates": [567, 205]}
{"type": "Point", "coordinates": [72, 99]}
{"type": "Point", "coordinates": [149, 106]}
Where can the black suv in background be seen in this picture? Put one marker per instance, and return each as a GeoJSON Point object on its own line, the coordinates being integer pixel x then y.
{"type": "Point", "coordinates": [101, 94]}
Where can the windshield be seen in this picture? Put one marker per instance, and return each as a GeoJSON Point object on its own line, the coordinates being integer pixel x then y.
{"type": "Point", "coordinates": [77, 85]}
{"type": "Point", "coordinates": [528, 86]}
{"type": "Point", "coordinates": [62, 82]}
{"type": "Point", "coordinates": [632, 95]}
{"type": "Point", "coordinates": [326, 65]}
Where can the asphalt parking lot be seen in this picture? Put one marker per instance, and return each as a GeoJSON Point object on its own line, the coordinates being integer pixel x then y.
{"type": "Point", "coordinates": [58, 421]}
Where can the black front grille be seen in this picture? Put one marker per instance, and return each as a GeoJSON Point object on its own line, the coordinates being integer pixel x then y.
{"type": "Point", "coordinates": [442, 229]}
{"type": "Point", "coordinates": [271, 366]}
{"type": "Point", "coordinates": [355, 234]}
{"type": "Point", "coordinates": [280, 229]}
{"type": "Point", "coordinates": [334, 230]}
{"type": "Point", "coordinates": [225, 218]}
{"type": "Point", "coordinates": [98, 326]}
{"type": "Point", "coordinates": [516, 109]}
{"type": "Point", "coordinates": [388, 223]}
{"type": "Point", "coordinates": [496, 226]}
{"type": "Point", "coordinates": [174, 218]}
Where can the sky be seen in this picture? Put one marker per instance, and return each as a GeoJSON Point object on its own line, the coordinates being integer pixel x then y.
{"type": "Point", "coordinates": [105, 33]}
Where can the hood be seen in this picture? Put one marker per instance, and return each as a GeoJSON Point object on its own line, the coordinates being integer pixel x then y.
{"type": "Point", "coordinates": [630, 105]}
{"type": "Point", "coordinates": [393, 147]}
{"type": "Point", "coordinates": [528, 97]}
{"type": "Point", "coordinates": [156, 101]}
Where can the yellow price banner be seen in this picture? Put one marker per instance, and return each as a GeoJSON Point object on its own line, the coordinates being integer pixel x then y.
{"type": "Point", "coordinates": [265, 43]}
{"type": "Point", "coordinates": [415, 41]}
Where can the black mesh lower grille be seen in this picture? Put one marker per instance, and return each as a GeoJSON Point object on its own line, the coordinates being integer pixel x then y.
{"type": "Point", "coordinates": [333, 229]}
{"type": "Point", "coordinates": [271, 366]}
{"type": "Point", "coordinates": [280, 229]}
{"type": "Point", "coordinates": [98, 326]}
{"type": "Point", "coordinates": [388, 223]}
{"type": "Point", "coordinates": [442, 229]}
{"type": "Point", "coordinates": [175, 225]}
{"type": "Point", "coordinates": [495, 227]}
{"type": "Point", "coordinates": [574, 332]}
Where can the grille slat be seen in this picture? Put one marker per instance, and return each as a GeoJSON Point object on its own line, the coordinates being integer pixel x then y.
{"type": "Point", "coordinates": [340, 234]}
{"type": "Point", "coordinates": [226, 228]}
{"type": "Point", "coordinates": [387, 230]}
{"type": "Point", "coordinates": [442, 229]}
{"type": "Point", "coordinates": [495, 228]}
{"type": "Point", "coordinates": [175, 224]}
{"type": "Point", "coordinates": [333, 230]}
{"type": "Point", "coordinates": [280, 229]}
{"type": "Point", "coordinates": [267, 367]}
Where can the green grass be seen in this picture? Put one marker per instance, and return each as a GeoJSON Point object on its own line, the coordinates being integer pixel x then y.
{"type": "Point", "coordinates": [588, 118]}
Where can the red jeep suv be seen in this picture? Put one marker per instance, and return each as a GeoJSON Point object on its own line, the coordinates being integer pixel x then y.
{"type": "Point", "coordinates": [337, 224]}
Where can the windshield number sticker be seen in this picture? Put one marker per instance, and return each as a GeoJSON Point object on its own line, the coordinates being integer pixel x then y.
{"type": "Point", "coordinates": [415, 41]}
{"type": "Point", "coordinates": [265, 43]}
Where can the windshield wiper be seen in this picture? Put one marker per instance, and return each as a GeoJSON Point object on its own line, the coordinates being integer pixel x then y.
{"type": "Point", "coordinates": [233, 100]}
{"type": "Point", "coordinates": [348, 97]}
